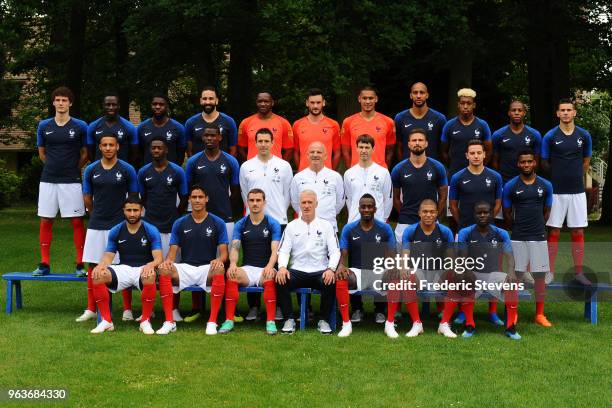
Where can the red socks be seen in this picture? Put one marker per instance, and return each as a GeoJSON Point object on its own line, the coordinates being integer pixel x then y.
{"type": "Point", "coordinates": [45, 237]}
{"type": "Point", "coordinates": [231, 298]}
{"type": "Point", "coordinates": [165, 293]}
{"type": "Point", "coordinates": [493, 306]}
{"type": "Point", "coordinates": [342, 296]}
{"type": "Point", "coordinates": [553, 248]}
{"type": "Point", "coordinates": [468, 308]}
{"type": "Point", "coordinates": [216, 294]}
{"type": "Point", "coordinates": [102, 299]}
{"type": "Point", "coordinates": [577, 250]}
{"type": "Point", "coordinates": [269, 296]}
{"type": "Point", "coordinates": [126, 295]}
{"type": "Point", "coordinates": [91, 301]}
{"type": "Point", "coordinates": [449, 309]}
{"type": "Point", "coordinates": [511, 302]}
{"type": "Point", "coordinates": [78, 236]}
{"type": "Point", "coordinates": [540, 293]}
{"type": "Point", "coordinates": [413, 311]}
{"type": "Point", "coordinates": [148, 300]}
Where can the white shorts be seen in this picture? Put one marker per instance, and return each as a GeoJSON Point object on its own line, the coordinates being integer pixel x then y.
{"type": "Point", "coordinates": [127, 277]}
{"type": "Point", "coordinates": [430, 276]}
{"type": "Point", "coordinates": [357, 273]}
{"type": "Point", "coordinates": [532, 254]}
{"type": "Point", "coordinates": [399, 232]}
{"type": "Point", "coordinates": [190, 275]}
{"type": "Point", "coordinates": [67, 198]}
{"type": "Point", "coordinates": [491, 277]}
{"type": "Point", "coordinates": [254, 274]}
{"type": "Point", "coordinates": [229, 226]}
{"type": "Point", "coordinates": [572, 206]}
{"type": "Point", "coordinates": [500, 214]}
{"type": "Point", "coordinates": [95, 246]}
{"type": "Point", "coordinates": [165, 242]}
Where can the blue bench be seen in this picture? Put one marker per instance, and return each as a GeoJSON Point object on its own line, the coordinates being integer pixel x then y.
{"type": "Point", "coordinates": [14, 279]}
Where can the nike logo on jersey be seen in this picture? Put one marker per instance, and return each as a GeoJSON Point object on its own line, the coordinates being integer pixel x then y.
{"type": "Point", "coordinates": [407, 125]}
{"type": "Point", "coordinates": [519, 191]}
{"type": "Point", "coordinates": [473, 242]}
{"type": "Point", "coordinates": [246, 232]}
{"type": "Point", "coordinates": [48, 133]}
{"type": "Point", "coordinates": [197, 129]}
{"type": "Point", "coordinates": [407, 175]}
{"type": "Point", "coordinates": [415, 242]}
{"type": "Point", "coordinates": [505, 140]}
{"type": "Point", "coordinates": [96, 176]}
{"type": "Point", "coordinates": [466, 181]}
{"type": "Point", "coordinates": [559, 142]}
{"type": "Point", "coordinates": [148, 133]}
{"type": "Point", "coordinates": [250, 171]}
{"type": "Point", "coordinates": [186, 231]}
{"type": "Point", "coordinates": [456, 131]}
{"type": "Point", "coordinates": [148, 178]}
{"type": "Point", "coordinates": [356, 238]}
{"type": "Point", "coordinates": [201, 167]}
{"type": "Point", "coordinates": [99, 132]}
{"type": "Point", "coordinates": [121, 241]}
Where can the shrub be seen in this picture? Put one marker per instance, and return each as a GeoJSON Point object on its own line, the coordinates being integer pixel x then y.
{"type": "Point", "coordinates": [10, 184]}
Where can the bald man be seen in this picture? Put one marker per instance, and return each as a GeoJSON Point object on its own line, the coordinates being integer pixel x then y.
{"type": "Point", "coordinates": [327, 183]}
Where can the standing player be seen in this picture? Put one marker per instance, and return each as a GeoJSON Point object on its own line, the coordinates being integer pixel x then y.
{"type": "Point", "coordinates": [367, 177]}
{"type": "Point", "coordinates": [527, 201]}
{"type": "Point", "coordinates": [368, 121]}
{"type": "Point", "coordinates": [202, 239]}
{"type": "Point", "coordinates": [162, 125]}
{"type": "Point", "coordinates": [566, 152]}
{"type": "Point", "coordinates": [139, 246]}
{"type": "Point", "coordinates": [160, 183]}
{"type": "Point", "coordinates": [487, 242]}
{"type": "Point", "coordinates": [111, 122]}
{"type": "Point", "coordinates": [316, 127]}
{"type": "Point", "coordinates": [509, 140]}
{"type": "Point", "coordinates": [195, 125]}
{"type": "Point", "coordinates": [415, 179]}
{"type": "Point", "coordinates": [420, 115]}
{"type": "Point", "coordinates": [325, 182]}
{"type": "Point", "coordinates": [426, 239]}
{"type": "Point", "coordinates": [470, 185]}
{"type": "Point", "coordinates": [218, 171]}
{"type": "Point", "coordinates": [61, 148]}
{"type": "Point", "coordinates": [258, 235]}
{"type": "Point", "coordinates": [265, 118]}
{"type": "Point", "coordinates": [106, 183]}
{"type": "Point", "coordinates": [461, 129]}
{"type": "Point", "coordinates": [307, 258]}
{"type": "Point", "coordinates": [273, 175]}
{"type": "Point", "coordinates": [366, 237]}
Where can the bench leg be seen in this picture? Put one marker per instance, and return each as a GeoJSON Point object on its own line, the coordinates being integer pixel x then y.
{"type": "Point", "coordinates": [593, 303]}
{"type": "Point", "coordinates": [9, 297]}
{"type": "Point", "coordinates": [425, 308]}
{"type": "Point", "coordinates": [18, 298]}
{"type": "Point", "coordinates": [303, 311]}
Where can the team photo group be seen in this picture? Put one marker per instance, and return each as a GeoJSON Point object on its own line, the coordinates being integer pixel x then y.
{"type": "Point", "coordinates": [206, 204]}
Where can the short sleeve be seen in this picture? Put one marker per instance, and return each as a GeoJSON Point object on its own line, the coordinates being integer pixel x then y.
{"type": "Point", "coordinates": [175, 238]}
{"type": "Point", "coordinates": [287, 134]}
{"type": "Point", "coordinates": [587, 146]}
{"type": "Point", "coordinates": [154, 236]}
{"type": "Point", "coordinates": [545, 151]}
{"type": "Point", "coordinates": [395, 174]}
{"type": "Point", "coordinates": [222, 231]}
{"type": "Point", "coordinates": [242, 134]}
{"type": "Point", "coordinates": [443, 179]}
{"type": "Point", "coordinates": [113, 235]}
{"type": "Point", "coordinates": [344, 242]}
{"type": "Point", "coordinates": [87, 187]}
{"type": "Point", "coordinates": [232, 137]}
{"type": "Point", "coordinates": [345, 132]}
{"type": "Point", "coordinates": [453, 193]}
{"type": "Point", "coordinates": [40, 137]}
{"type": "Point", "coordinates": [276, 229]}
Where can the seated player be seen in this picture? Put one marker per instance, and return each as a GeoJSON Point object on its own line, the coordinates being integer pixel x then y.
{"type": "Point", "coordinates": [426, 240]}
{"type": "Point", "coordinates": [311, 245]}
{"type": "Point", "coordinates": [139, 246]}
{"type": "Point", "coordinates": [259, 235]}
{"type": "Point", "coordinates": [364, 236]}
{"type": "Point", "coordinates": [486, 242]}
{"type": "Point", "coordinates": [200, 236]}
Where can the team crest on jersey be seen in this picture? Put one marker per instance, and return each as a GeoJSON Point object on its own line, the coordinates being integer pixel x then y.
{"type": "Point", "coordinates": [429, 175]}
{"type": "Point", "coordinates": [429, 126]}
{"type": "Point", "coordinates": [494, 242]}
{"type": "Point", "coordinates": [540, 191]}
{"type": "Point", "coordinates": [143, 241]}
{"type": "Point", "coordinates": [71, 133]}
{"type": "Point", "coordinates": [120, 133]}
{"type": "Point", "coordinates": [209, 231]}
{"type": "Point", "coordinates": [378, 129]}
{"type": "Point", "coordinates": [527, 140]}
{"type": "Point", "coordinates": [222, 168]}
{"type": "Point", "coordinates": [266, 232]}
{"type": "Point", "coordinates": [376, 178]}
{"type": "Point", "coordinates": [477, 133]}
{"type": "Point", "coordinates": [168, 135]}
{"type": "Point", "coordinates": [326, 182]}
{"type": "Point", "coordinates": [119, 176]}
{"type": "Point", "coordinates": [579, 142]}
{"type": "Point", "coordinates": [169, 180]}
{"type": "Point", "coordinates": [220, 129]}
{"type": "Point", "coordinates": [324, 130]}
{"type": "Point", "coordinates": [276, 170]}
{"type": "Point", "coordinates": [377, 237]}
{"type": "Point", "coordinates": [488, 182]}
{"type": "Point", "coordinates": [274, 130]}
{"type": "Point", "coordinates": [438, 241]}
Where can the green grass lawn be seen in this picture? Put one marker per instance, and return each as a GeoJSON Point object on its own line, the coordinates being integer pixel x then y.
{"type": "Point", "coordinates": [43, 347]}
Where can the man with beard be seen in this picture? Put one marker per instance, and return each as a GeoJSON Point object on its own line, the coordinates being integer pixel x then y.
{"type": "Point", "coordinates": [195, 125]}
{"type": "Point", "coordinates": [415, 179]}
{"type": "Point", "coordinates": [282, 133]}
{"type": "Point", "coordinates": [219, 172]}
{"type": "Point", "coordinates": [420, 115]}
{"type": "Point", "coordinates": [527, 200]}
{"type": "Point", "coordinates": [139, 246]}
{"type": "Point", "coordinates": [113, 123]}
{"type": "Point", "coordinates": [316, 127]}
{"type": "Point", "coordinates": [162, 125]}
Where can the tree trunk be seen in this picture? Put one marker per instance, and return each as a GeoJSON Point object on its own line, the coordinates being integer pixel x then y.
{"type": "Point", "coordinates": [459, 75]}
{"type": "Point", "coordinates": [75, 55]}
{"type": "Point", "coordinates": [205, 74]}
